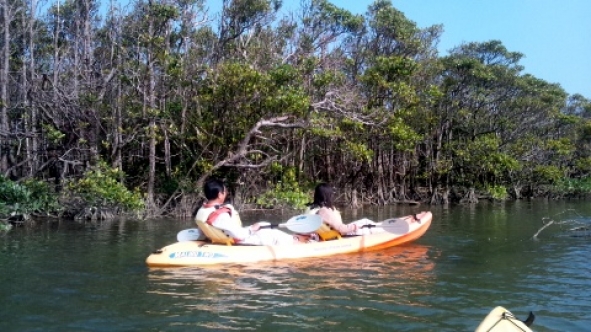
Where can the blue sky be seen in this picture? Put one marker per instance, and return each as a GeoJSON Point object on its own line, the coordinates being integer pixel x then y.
{"type": "Point", "coordinates": [553, 35]}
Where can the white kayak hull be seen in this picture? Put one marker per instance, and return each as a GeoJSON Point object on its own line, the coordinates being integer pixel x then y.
{"type": "Point", "coordinates": [502, 320]}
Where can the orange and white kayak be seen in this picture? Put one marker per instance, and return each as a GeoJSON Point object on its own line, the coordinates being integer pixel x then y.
{"type": "Point", "coordinates": [393, 232]}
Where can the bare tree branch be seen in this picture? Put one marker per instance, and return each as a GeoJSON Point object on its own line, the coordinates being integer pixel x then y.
{"type": "Point", "coordinates": [344, 104]}
{"type": "Point", "coordinates": [244, 148]}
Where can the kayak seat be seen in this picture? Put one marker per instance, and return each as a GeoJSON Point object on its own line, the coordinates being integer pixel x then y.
{"type": "Point", "coordinates": [325, 232]}
{"type": "Point", "coordinates": [215, 235]}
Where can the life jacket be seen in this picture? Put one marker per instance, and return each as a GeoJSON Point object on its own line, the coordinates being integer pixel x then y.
{"type": "Point", "coordinates": [331, 233]}
{"type": "Point", "coordinates": [215, 214]}
{"type": "Point", "coordinates": [208, 213]}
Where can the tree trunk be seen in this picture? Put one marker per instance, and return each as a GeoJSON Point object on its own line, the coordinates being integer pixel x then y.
{"type": "Point", "coordinates": [167, 155]}
{"type": "Point", "coordinates": [117, 134]}
{"type": "Point", "coordinates": [354, 201]}
{"type": "Point", "coordinates": [31, 142]}
{"type": "Point", "coordinates": [380, 175]}
{"type": "Point", "coordinates": [470, 197]}
{"type": "Point", "coordinates": [302, 155]}
{"type": "Point", "coordinates": [4, 100]}
{"type": "Point", "coordinates": [151, 206]}
{"type": "Point", "coordinates": [56, 57]}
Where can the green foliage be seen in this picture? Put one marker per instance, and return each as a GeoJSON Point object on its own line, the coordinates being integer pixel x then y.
{"type": "Point", "coordinates": [100, 187]}
{"type": "Point", "coordinates": [4, 226]}
{"type": "Point", "coordinates": [245, 95]}
{"type": "Point", "coordinates": [282, 196]}
{"type": "Point", "coordinates": [403, 136]}
{"type": "Point", "coordinates": [583, 165]}
{"type": "Point", "coordinates": [482, 156]}
{"type": "Point", "coordinates": [574, 186]}
{"type": "Point", "coordinates": [358, 151]}
{"type": "Point", "coordinates": [548, 173]}
{"type": "Point", "coordinates": [324, 21]}
{"type": "Point", "coordinates": [355, 85]}
{"type": "Point", "coordinates": [393, 98]}
{"type": "Point", "coordinates": [324, 80]}
{"type": "Point", "coordinates": [561, 147]}
{"type": "Point", "coordinates": [286, 192]}
{"type": "Point", "coordinates": [388, 81]}
{"type": "Point", "coordinates": [25, 198]}
{"type": "Point", "coordinates": [566, 119]}
{"type": "Point", "coordinates": [497, 192]}
{"type": "Point", "coordinates": [443, 166]}
{"type": "Point", "coordinates": [163, 12]}
{"type": "Point", "coordinates": [586, 130]}
{"type": "Point", "coordinates": [330, 17]}
{"type": "Point", "coordinates": [234, 99]}
{"type": "Point", "coordinates": [54, 135]}
{"type": "Point", "coordinates": [391, 24]}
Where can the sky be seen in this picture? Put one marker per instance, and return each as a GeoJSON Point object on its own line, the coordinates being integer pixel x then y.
{"type": "Point", "coordinates": [553, 35]}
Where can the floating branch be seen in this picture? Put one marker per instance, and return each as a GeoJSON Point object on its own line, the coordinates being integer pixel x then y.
{"type": "Point", "coordinates": [547, 222]}
{"type": "Point", "coordinates": [535, 237]}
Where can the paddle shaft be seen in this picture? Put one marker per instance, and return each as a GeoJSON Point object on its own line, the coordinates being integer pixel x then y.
{"type": "Point", "coordinates": [299, 224]}
{"type": "Point", "coordinates": [391, 221]}
{"type": "Point", "coordinates": [285, 225]}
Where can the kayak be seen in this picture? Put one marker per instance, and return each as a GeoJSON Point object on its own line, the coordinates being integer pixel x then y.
{"type": "Point", "coordinates": [390, 233]}
{"type": "Point", "coordinates": [502, 320]}
{"type": "Point", "coordinates": [393, 232]}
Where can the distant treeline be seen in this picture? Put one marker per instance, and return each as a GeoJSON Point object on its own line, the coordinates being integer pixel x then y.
{"type": "Point", "coordinates": [158, 95]}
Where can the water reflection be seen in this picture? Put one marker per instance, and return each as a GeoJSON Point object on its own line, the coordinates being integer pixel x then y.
{"type": "Point", "coordinates": [319, 290]}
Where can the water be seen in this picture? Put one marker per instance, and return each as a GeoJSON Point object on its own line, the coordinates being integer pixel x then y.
{"type": "Point", "coordinates": [92, 277]}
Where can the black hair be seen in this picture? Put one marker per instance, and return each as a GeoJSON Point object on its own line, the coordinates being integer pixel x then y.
{"type": "Point", "coordinates": [323, 196]}
{"type": "Point", "coordinates": [212, 188]}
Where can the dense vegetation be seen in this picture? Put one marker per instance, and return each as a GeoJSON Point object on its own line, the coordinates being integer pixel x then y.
{"type": "Point", "coordinates": [131, 108]}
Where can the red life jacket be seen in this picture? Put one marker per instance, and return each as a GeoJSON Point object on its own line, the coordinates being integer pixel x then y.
{"type": "Point", "coordinates": [219, 210]}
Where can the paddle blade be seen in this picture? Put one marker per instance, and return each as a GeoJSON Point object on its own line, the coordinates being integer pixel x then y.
{"type": "Point", "coordinates": [192, 234]}
{"type": "Point", "coordinates": [395, 225]}
{"type": "Point", "coordinates": [303, 223]}
{"type": "Point", "coordinates": [530, 319]}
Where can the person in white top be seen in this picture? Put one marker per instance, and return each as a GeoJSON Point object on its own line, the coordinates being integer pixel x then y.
{"type": "Point", "coordinates": [225, 217]}
{"type": "Point", "coordinates": [323, 205]}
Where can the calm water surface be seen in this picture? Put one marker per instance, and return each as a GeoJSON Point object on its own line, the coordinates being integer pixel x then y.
{"type": "Point", "coordinates": [92, 277]}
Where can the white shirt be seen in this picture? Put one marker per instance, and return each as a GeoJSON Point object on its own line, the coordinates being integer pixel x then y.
{"type": "Point", "coordinates": [224, 222]}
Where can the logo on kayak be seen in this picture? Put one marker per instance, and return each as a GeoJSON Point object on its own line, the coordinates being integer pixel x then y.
{"type": "Point", "coordinates": [196, 254]}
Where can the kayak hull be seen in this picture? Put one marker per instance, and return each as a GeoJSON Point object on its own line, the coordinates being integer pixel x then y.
{"type": "Point", "coordinates": [501, 320]}
{"type": "Point", "coordinates": [200, 253]}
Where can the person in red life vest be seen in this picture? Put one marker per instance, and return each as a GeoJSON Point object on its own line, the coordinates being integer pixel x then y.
{"type": "Point", "coordinates": [225, 217]}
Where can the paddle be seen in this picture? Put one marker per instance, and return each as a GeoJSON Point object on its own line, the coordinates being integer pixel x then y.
{"type": "Point", "coordinates": [393, 225]}
{"type": "Point", "coordinates": [530, 319]}
{"type": "Point", "coordinates": [191, 234]}
{"type": "Point", "coordinates": [302, 224]}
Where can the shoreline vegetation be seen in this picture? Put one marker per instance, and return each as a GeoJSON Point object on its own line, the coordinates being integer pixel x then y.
{"type": "Point", "coordinates": [110, 110]}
